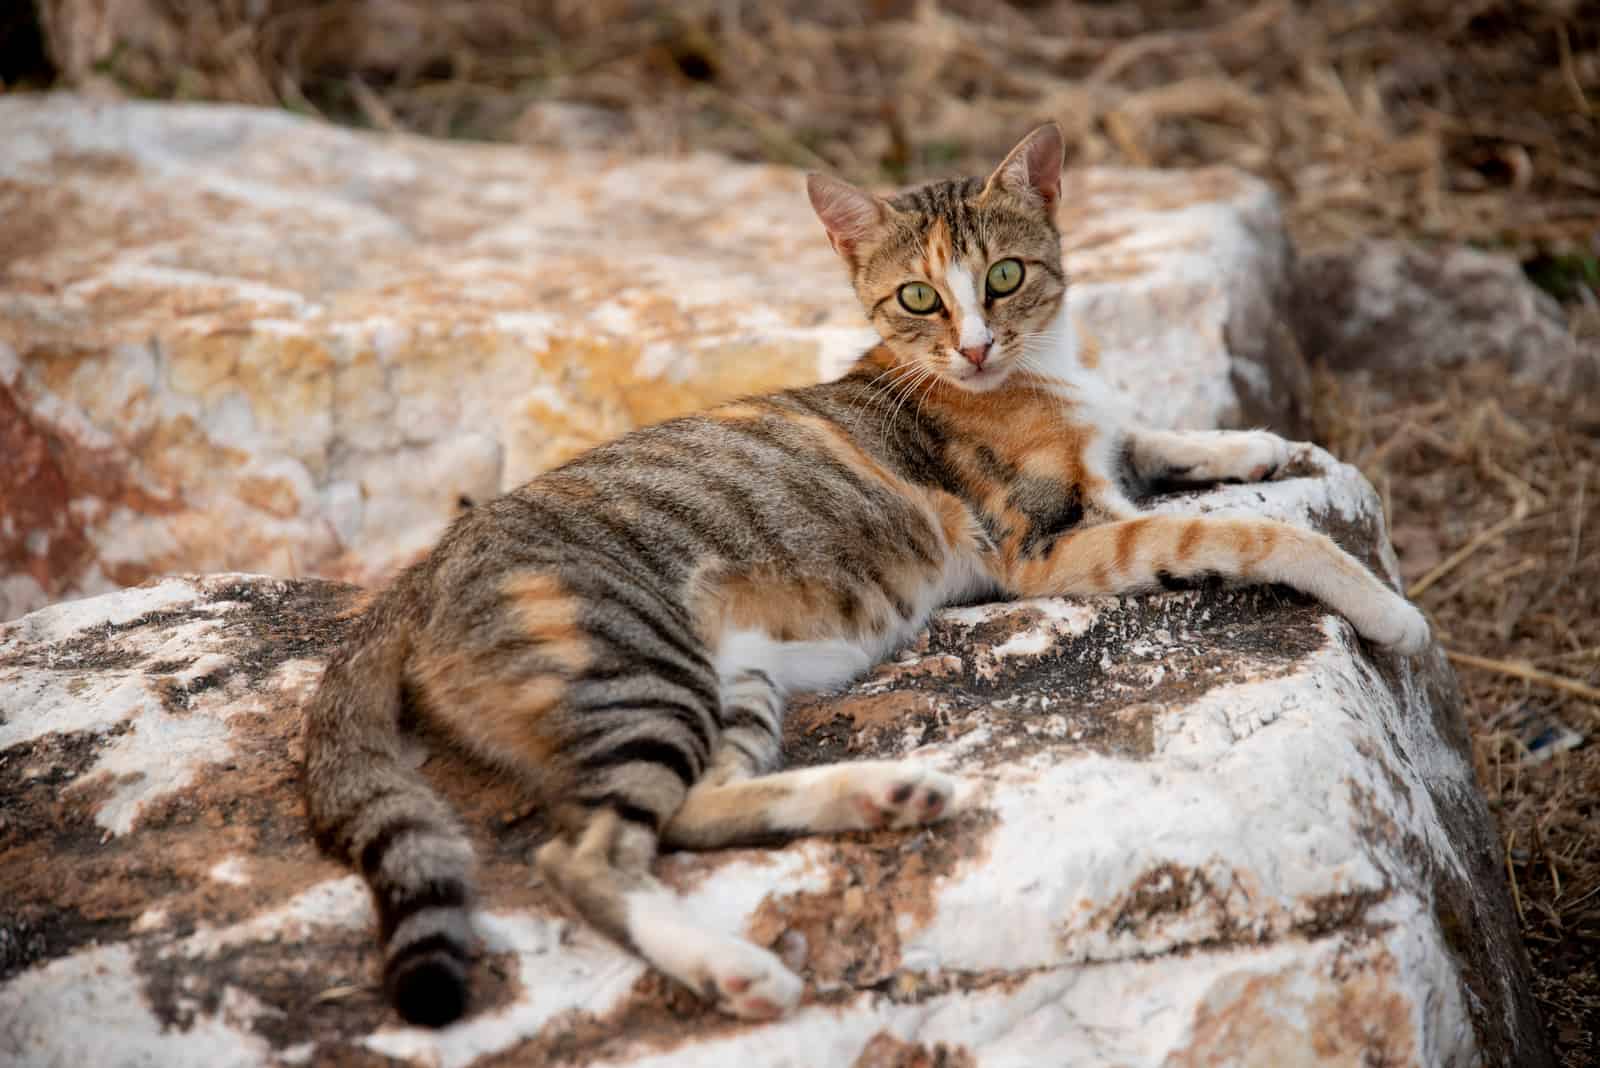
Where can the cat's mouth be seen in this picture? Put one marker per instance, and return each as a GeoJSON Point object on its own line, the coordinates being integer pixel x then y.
{"type": "Point", "coordinates": [981, 378]}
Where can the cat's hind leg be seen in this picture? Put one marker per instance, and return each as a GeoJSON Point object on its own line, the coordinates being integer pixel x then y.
{"type": "Point", "coordinates": [739, 801]}
{"type": "Point", "coordinates": [856, 796]}
{"type": "Point", "coordinates": [604, 871]}
{"type": "Point", "coordinates": [751, 724]}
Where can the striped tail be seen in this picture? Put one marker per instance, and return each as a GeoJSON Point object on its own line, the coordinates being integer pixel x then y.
{"type": "Point", "coordinates": [366, 803]}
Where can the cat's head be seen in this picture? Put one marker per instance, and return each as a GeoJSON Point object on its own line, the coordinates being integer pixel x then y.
{"type": "Point", "coordinates": [960, 277]}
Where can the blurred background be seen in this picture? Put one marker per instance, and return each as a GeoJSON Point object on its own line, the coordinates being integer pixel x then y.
{"type": "Point", "coordinates": [1447, 123]}
{"type": "Point", "coordinates": [1462, 119]}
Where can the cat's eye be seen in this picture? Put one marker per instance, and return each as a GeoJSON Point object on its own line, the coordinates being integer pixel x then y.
{"type": "Point", "coordinates": [919, 298]}
{"type": "Point", "coordinates": [1004, 277]}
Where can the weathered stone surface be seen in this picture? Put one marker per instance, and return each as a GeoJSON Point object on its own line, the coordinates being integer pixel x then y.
{"type": "Point", "coordinates": [1394, 306]}
{"type": "Point", "coordinates": [235, 339]}
{"type": "Point", "coordinates": [1207, 828]}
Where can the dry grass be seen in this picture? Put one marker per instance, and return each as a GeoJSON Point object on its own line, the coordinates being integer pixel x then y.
{"type": "Point", "coordinates": [1467, 119]}
{"type": "Point", "coordinates": [1493, 490]}
{"type": "Point", "coordinates": [1459, 120]}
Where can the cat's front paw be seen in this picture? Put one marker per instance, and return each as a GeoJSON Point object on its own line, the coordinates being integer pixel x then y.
{"type": "Point", "coordinates": [1411, 633]}
{"type": "Point", "coordinates": [1401, 626]}
{"type": "Point", "coordinates": [1235, 456]}
{"type": "Point", "coordinates": [1256, 455]}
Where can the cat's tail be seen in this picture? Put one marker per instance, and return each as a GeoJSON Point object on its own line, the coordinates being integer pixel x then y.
{"type": "Point", "coordinates": [368, 804]}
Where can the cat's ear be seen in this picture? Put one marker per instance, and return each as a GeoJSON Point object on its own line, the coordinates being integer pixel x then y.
{"type": "Point", "coordinates": [849, 215]}
{"type": "Point", "coordinates": [1033, 169]}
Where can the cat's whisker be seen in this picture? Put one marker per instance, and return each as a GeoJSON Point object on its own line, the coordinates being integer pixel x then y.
{"type": "Point", "coordinates": [923, 373]}
{"type": "Point", "coordinates": [1036, 379]}
{"type": "Point", "coordinates": [860, 409]}
{"type": "Point", "coordinates": [932, 385]}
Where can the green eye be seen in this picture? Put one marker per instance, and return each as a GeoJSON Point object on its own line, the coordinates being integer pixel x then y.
{"type": "Point", "coordinates": [1004, 277]}
{"type": "Point", "coordinates": [919, 298]}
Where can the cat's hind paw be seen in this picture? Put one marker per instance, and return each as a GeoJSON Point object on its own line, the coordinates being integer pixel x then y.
{"type": "Point", "coordinates": [900, 794]}
{"type": "Point", "coordinates": [746, 981]}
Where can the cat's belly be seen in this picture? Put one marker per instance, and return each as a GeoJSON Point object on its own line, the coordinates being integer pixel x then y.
{"type": "Point", "coordinates": [815, 664]}
{"type": "Point", "coordinates": [820, 662]}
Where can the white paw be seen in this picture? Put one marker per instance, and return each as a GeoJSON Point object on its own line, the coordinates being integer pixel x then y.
{"type": "Point", "coordinates": [899, 794]}
{"type": "Point", "coordinates": [1407, 632]}
{"type": "Point", "coordinates": [744, 980]}
{"type": "Point", "coordinates": [1395, 624]}
{"type": "Point", "coordinates": [737, 976]}
{"type": "Point", "coordinates": [1256, 455]}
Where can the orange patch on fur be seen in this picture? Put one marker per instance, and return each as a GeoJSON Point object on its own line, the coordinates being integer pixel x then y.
{"type": "Point", "coordinates": [549, 616]}
{"type": "Point", "coordinates": [787, 608]}
{"type": "Point", "coordinates": [1128, 535]}
{"type": "Point", "coordinates": [1257, 544]}
{"type": "Point", "coordinates": [955, 522]}
{"type": "Point", "coordinates": [939, 247]}
{"type": "Point", "coordinates": [500, 718]}
{"type": "Point", "coordinates": [740, 410]}
{"type": "Point", "coordinates": [1189, 540]}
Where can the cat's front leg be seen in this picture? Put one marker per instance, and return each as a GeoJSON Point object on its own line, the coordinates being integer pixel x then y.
{"type": "Point", "coordinates": [1207, 456]}
{"type": "Point", "coordinates": [1156, 551]}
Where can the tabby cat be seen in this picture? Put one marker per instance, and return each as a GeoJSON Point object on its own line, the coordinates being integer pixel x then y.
{"type": "Point", "coordinates": [621, 632]}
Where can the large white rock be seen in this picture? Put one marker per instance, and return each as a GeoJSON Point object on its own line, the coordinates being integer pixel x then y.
{"type": "Point", "coordinates": [1209, 828]}
{"type": "Point", "coordinates": [236, 339]}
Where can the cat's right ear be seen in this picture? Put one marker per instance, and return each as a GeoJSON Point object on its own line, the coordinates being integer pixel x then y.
{"type": "Point", "coordinates": [849, 215]}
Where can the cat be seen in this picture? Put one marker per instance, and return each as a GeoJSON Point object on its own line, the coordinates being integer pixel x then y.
{"type": "Point", "coordinates": [620, 633]}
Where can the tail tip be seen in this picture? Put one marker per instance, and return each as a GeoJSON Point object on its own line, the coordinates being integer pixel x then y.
{"type": "Point", "coordinates": [429, 990]}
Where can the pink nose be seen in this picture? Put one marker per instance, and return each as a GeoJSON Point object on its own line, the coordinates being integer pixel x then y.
{"type": "Point", "coordinates": [976, 354]}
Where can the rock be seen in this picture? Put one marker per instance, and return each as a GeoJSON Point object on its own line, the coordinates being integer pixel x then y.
{"type": "Point", "coordinates": [1208, 828]}
{"type": "Point", "coordinates": [1393, 306]}
{"type": "Point", "coordinates": [237, 339]}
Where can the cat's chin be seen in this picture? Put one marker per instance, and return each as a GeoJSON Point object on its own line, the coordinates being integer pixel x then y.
{"type": "Point", "coordinates": [983, 381]}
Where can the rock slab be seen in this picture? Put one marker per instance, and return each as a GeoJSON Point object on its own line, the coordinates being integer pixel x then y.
{"type": "Point", "coordinates": [1207, 828]}
{"type": "Point", "coordinates": [237, 339]}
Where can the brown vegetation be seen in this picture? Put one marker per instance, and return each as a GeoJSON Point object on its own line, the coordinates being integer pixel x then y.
{"type": "Point", "coordinates": [1458, 120]}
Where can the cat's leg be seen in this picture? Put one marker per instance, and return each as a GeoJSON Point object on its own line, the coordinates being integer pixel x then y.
{"type": "Point", "coordinates": [737, 801]}
{"type": "Point", "coordinates": [605, 873]}
{"type": "Point", "coordinates": [751, 722]}
{"type": "Point", "coordinates": [1153, 551]}
{"type": "Point", "coordinates": [1202, 456]}
{"type": "Point", "coordinates": [856, 796]}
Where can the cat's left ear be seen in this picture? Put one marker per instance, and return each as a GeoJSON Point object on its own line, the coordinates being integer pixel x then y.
{"type": "Point", "coordinates": [849, 215]}
{"type": "Point", "coordinates": [1033, 169]}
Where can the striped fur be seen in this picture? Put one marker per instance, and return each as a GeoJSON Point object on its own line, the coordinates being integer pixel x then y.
{"type": "Point", "coordinates": [622, 631]}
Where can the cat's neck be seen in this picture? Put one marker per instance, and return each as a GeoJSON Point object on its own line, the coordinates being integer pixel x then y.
{"type": "Point", "coordinates": [1054, 353]}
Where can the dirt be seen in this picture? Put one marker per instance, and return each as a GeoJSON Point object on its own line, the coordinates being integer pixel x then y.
{"type": "Point", "coordinates": [1100, 691]}
{"type": "Point", "coordinates": [886, 1051]}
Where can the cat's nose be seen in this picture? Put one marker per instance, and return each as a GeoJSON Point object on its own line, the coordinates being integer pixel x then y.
{"type": "Point", "coordinates": [976, 354]}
